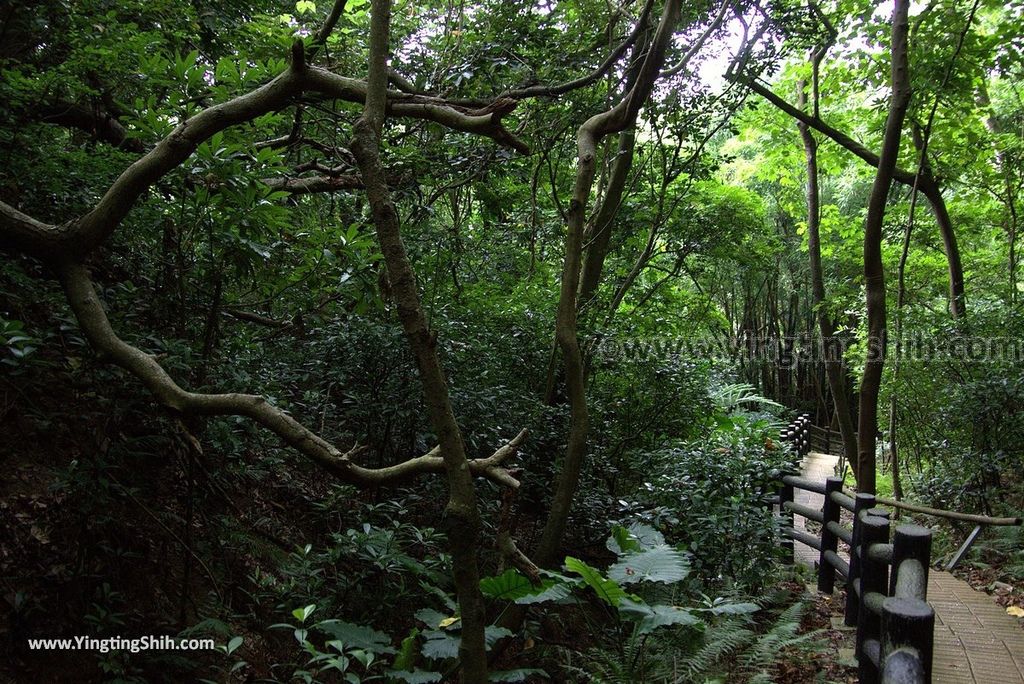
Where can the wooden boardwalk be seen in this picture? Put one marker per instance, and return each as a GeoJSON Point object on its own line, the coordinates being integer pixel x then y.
{"type": "Point", "coordinates": [976, 642]}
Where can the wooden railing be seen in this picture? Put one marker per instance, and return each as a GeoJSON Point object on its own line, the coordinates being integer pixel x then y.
{"type": "Point", "coordinates": [886, 582]}
{"type": "Point", "coordinates": [826, 441]}
{"type": "Point", "coordinates": [798, 434]}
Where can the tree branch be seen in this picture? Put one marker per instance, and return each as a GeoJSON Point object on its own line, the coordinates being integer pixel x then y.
{"type": "Point", "coordinates": [320, 39]}
{"type": "Point", "coordinates": [101, 125]}
{"type": "Point", "coordinates": [95, 325]}
{"type": "Point", "coordinates": [313, 184]}
{"type": "Point", "coordinates": [74, 239]}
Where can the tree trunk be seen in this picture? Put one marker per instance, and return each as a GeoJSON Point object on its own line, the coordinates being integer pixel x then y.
{"type": "Point", "coordinates": [462, 516]}
{"type": "Point", "coordinates": [611, 121]}
{"type": "Point", "coordinates": [874, 273]}
{"type": "Point", "coordinates": [830, 347]}
{"type": "Point", "coordinates": [596, 253]}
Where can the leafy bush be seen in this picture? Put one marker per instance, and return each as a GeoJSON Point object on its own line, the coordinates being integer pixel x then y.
{"type": "Point", "coordinates": [710, 495]}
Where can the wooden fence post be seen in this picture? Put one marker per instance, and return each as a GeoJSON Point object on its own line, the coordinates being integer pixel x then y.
{"type": "Point", "coordinates": [911, 542]}
{"type": "Point", "coordinates": [861, 502]}
{"type": "Point", "coordinates": [874, 575]}
{"type": "Point", "coordinates": [786, 516]}
{"type": "Point", "coordinates": [908, 633]}
{"type": "Point", "coordinates": [829, 541]}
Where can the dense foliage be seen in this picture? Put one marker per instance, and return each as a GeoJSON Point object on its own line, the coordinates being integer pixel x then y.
{"type": "Point", "coordinates": [651, 328]}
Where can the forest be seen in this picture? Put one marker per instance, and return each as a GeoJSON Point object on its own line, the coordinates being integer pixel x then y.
{"type": "Point", "coordinates": [445, 341]}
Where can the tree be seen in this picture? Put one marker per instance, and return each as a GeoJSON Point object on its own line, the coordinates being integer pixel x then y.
{"type": "Point", "coordinates": [874, 273]}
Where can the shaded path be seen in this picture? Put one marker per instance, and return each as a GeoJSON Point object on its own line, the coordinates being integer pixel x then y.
{"type": "Point", "coordinates": [976, 642]}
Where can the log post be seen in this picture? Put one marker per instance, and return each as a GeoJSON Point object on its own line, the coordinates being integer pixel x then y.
{"type": "Point", "coordinates": [786, 520]}
{"type": "Point", "coordinates": [908, 632]}
{"type": "Point", "coordinates": [861, 502]}
{"type": "Point", "coordinates": [873, 580]}
{"type": "Point", "coordinates": [829, 541]}
{"type": "Point", "coordinates": [910, 543]}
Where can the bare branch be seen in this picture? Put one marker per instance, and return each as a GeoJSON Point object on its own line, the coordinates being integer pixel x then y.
{"type": "Point", "coordinates": [715, 24]}
{"type": "Point", "coordinates": [313, 184]}
{"type": "Point", "coordinates": [101, 125]}
{"type": "Point", "coordinates": [95, 325]}
{"type": "Point", "coordinates": [592, 77]}
{"type": "Point", "coordinates": [75, 239]}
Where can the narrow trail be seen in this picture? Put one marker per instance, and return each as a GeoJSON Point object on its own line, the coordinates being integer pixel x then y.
{"type": "Point", "coordinates": [975, 640]}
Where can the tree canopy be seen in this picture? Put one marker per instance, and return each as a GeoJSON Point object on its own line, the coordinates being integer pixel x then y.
{"type": "Point", "coordinates": [305, 300]}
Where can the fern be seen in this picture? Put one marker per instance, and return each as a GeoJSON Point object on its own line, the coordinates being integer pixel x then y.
{"type": "Point", "coordinates": [728, 397]}
{"type": "Point", "coordinates": [733, 647]}
{"type": "Point", "coordinates": [720, 642]}
{"type": "Point", "coordinates": [781, 637]}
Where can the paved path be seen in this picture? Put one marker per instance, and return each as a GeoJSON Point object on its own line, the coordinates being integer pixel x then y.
{"type": "Point", "coordinates": [976, 642]}
{"type": "Point", "coordinates": [817, 467]}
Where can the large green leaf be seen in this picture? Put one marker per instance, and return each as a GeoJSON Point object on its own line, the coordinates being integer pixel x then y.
{"type": "Point", "coordinates": [507, 586]}
{"type": "Point", "coordinates": [652, 617]}
{"type": "Point", "coordinates": [607, 590]}
{"type": "Point", "coordinates": [552, 590]}
{"type": "Point", "coordinates": [512, 585]}
{"type": "Point", "coordinates": [416, 676]}
{"type": "Point", "coordinates": [622, 541]}
{"type": "Point", "coordinates": [513, 676]}
{"type": "Point", "coordinates": [659, 564]}
{"type": "Point", "coordinates": [636, 537]}
{"type": "Point", "coordinates": [406, 658]}
{"type": "Point", "coordinates": [357, 636]}
{"type": "Point", "coordinates": [733, 608]}
{"type": "Point", "coordinates": [431, 618]}
{"type": "Point", "coordinates": [441, 645]}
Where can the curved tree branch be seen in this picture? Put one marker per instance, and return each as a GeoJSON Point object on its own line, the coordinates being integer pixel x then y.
{"type": "Point", "coordinates": [926, 183]}
{"type": "Point", "coordinates": [74, 239]}
{"type": "Point", "coordinates": [95, 325]}
{"type": "Point", "coordinates": [311, 184]}
{"type": "Point", "coordinates": [101, 125]}
{"type": "Point", "coordinates": [610, 121]}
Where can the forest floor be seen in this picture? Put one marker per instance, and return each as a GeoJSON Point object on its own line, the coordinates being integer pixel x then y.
{"type": "Point", "coordinates": [833, 662]}
{"type": "Point", "coordinates": [1007, 592]}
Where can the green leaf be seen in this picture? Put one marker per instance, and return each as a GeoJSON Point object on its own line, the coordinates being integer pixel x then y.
{"type": "Point", "coordinates": [607, 590]}
{"type": "Point", "coordinates": [416, 676]}
{"type": "Point", "coordinates": [512, 585]}
{"type": "Point", "coordinates": [646, 535]}
{"type": "Point", "coordinates": [507, 586]}
{"type": "Point", "coordinates": [552, 590]}
{"type": "Point", "coordinates": [430, 617]}
{"type": "Point", "coordinates": [406, 658]}
{"type": "Point", "coordinates": [734, 608]}
{"type": "Point", "coordinates": [659, 564]}
{"type": "Point", "coordinates": [234, 644]}
{"type": "Point", "coordinates": [652, 617]}
{"type": "Point", "coordinates": [440, 645]}
{"type": "Point", "coordinates": [357, 636]}
{"type": "Point", "coordinates": [622, 541]}
{"type": "Point", "coordinates": [519, 675]}
{"type": "Point", "coordinates": [302, 613]}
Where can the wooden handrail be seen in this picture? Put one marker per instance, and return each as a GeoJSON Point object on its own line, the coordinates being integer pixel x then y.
{"type": "Point", "coordinates": [940, 513]}
{"type": "Point", "coordinates": [895, 624]}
